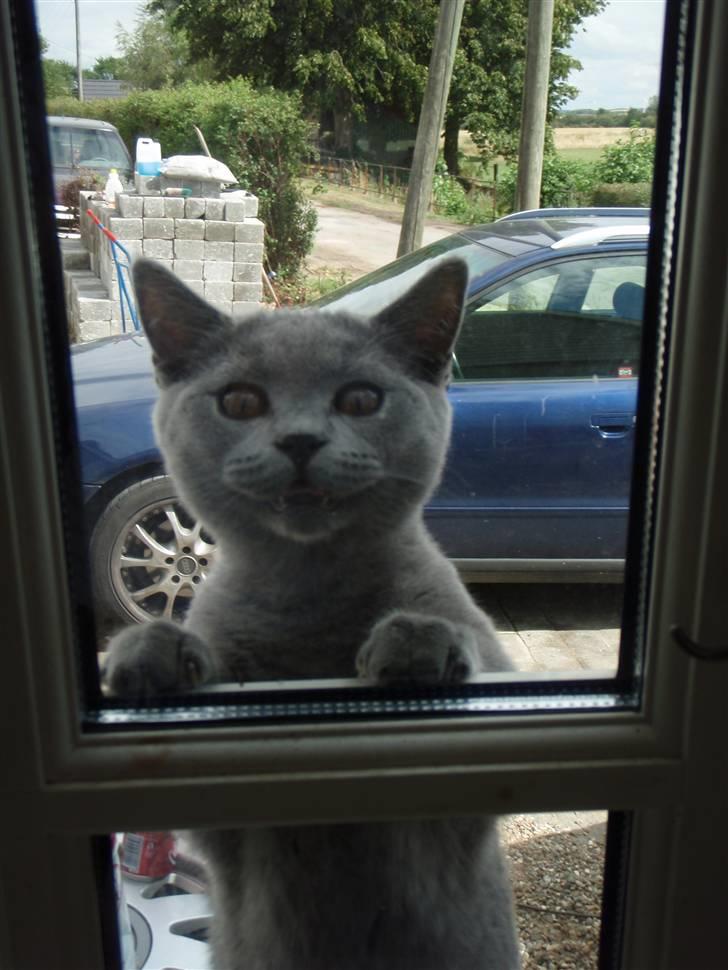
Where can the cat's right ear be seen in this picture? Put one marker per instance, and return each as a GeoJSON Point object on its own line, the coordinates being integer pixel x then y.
{"type": "Point", "coordinates": [183, 330]}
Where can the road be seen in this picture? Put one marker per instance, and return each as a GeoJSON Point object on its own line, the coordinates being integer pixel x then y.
{"type": "Point", "coordinates": [359, 242]}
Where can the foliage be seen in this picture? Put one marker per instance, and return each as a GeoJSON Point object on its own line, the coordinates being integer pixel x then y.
{"type": "Point", "coordinates": [304, 287]}
{"type": "Point", "coordinates": [604, 118]}
{"type": "Point", "coordinates": [564, 182]}
{"type": "Point", "coordinates": [628, 161]}
{"type": "Point", "coordinates": [568, 182]}
{"type": "Point", "coordinates": [84, 181]}
{"type": "Point", "coordinates": [448, 195]}
{"type": "Point", "coordinates": [487, 86]}
{"type": "Point", "coordinates": [622, 194]}
{"type": "Point", "coordinates": [349, 56]}
{"type": "Point", "coordinates": [155, 56]}
{"type": "Point", "coordinates": [341, 56]}
{"type": "Point", "coordinates": [59, 78]}
{"type": "Point", "coordinates": [260, 135]}
{"type": "Point", "coordinates": [105, 69]}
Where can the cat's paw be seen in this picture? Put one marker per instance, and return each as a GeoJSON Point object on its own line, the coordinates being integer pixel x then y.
{"type": "Point", "coordinates": [409, 648]}
{"type": "Point", "coordinates": [156, 658]}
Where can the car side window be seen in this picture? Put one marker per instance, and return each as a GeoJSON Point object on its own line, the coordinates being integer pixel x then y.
{"type": "Point", "coordinates": [61, 147]}
{"type": "Point", "coordinates": [579, 318]}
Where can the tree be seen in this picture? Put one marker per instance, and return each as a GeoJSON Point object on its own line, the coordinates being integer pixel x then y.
{"type": "Point", "coordinates": [105, 69]}
{"type": "Point", "coordinates": [343, 56]}
{"type": "Point", "coordinates": [348, 56]}
{"type": "Point", "coordinates": [154, 55]}
{"type": "Point", "coordinates": [487, 87]}
{"type": "Point", "coordinates": [649, 118]}
{"type": "Point", "coordinates": [59, 77]}
{"type": "Point", "coordinates": [630, 160]}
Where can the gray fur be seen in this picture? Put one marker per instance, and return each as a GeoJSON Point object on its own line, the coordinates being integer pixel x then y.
{"type": "Point", "coordinates": [333, 576]}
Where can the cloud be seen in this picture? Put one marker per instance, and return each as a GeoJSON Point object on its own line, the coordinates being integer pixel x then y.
{"type": "Point", "coordinates": [98, 19]}
{"type": "Point", "coordinates": [620, 51]}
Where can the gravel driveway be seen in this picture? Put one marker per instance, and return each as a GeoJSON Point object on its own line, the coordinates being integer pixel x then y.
{"type": "Point", "coordinates": [358, 242]}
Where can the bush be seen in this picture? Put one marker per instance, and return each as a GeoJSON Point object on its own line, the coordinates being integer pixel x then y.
{"type": "Point", "coordinates": [564, 182]}
{"type": "Point", "coordinates": [260, 135]}
{"type": "Point", "coordinates": [448, 195]}
{"type": "Point", "coordinates": [85, 181]}
{"type": "Point", "coordinates": [627, 161]}
{"type": "Point", "coordinates": [622, 194]}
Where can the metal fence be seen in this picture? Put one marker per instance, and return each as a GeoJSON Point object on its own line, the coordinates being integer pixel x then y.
{"type": "Point", "coordinates": [391, 181]}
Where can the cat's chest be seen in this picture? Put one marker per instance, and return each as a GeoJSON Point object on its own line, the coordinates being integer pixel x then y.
{"type": "Point", "coordinates": [287, 633]}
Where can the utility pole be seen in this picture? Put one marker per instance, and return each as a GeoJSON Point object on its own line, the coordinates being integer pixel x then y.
{"type": "Point", "coordinates": [432, 116]}
{"type": "Point", "coordinates": [535, 103]}
{"type": "Point", "coordinates": [79, 72]}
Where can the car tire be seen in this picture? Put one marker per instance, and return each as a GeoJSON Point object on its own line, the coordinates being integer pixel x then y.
{"type": "Point", "coordinates": [148, 554]}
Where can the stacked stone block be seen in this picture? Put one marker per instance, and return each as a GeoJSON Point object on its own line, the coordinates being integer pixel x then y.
{"type": "Point", "coordinates": [214, 245]}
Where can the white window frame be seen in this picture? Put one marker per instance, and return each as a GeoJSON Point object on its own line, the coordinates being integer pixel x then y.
{"type": "Point", "coordinates": [665, 763]}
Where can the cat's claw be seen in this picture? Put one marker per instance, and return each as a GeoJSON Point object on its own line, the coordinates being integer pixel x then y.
{"type": "Point", "coordinates": [156, 658]}
{"type": "Point", "coordinates": [409, 648]}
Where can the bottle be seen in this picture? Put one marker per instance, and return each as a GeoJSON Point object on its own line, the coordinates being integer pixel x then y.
{"type": "Point", "coordinates": [113, 185]}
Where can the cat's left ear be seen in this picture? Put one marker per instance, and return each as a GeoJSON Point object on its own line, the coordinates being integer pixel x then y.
{"type": "Point", "coordinates": [424, 323]}
{"type": "Point", "coordinates": [183, 329]}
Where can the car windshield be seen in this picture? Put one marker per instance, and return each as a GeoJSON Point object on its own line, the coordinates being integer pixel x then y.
{"type": "Point", "coordinates": [376, 290]}
{"type": "Point", "coordinates": [87, 148]}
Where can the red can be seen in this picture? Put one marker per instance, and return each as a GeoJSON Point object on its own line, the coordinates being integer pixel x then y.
{"type": "Point", "coordinates": [147, 855]}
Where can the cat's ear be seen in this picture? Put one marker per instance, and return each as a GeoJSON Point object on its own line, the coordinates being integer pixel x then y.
{"type": "Point", "coordinates": [424, 323]}
{"type": "Point", "coordinates": [183, 330]}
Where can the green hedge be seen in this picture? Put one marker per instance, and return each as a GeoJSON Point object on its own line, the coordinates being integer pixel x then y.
{"type": "Point", "coordinates": [564, 182]}
{"type": "Point", "coordinates": [260, 135]}
{"type": "Point", "coordinates": [622, 194]}
{"type": "Point", "coordinates": [568, 182]}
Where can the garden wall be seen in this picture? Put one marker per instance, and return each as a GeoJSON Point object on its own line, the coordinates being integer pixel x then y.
{"type": "Point", "coordinates": [214, 245]}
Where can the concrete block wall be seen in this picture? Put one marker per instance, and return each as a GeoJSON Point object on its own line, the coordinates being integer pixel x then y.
{"type": "Point", "coordinates": [214, 245]}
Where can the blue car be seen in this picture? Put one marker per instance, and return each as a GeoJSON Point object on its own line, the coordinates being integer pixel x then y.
{"type": "Point", "coordinates": [544, 394]}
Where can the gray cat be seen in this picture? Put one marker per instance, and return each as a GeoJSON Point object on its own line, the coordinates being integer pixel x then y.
{"type": "Point", "coordinates": [307, 443]}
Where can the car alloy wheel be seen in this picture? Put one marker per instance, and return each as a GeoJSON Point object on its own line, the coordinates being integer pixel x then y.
{"type": "Point", "coordinates": [148, 553]}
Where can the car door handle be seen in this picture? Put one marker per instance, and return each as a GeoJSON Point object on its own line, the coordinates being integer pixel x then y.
{"type": "Point", "coordinates": [612, 425]}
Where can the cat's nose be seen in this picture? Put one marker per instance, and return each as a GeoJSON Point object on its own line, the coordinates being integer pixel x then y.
{"type": "Point", "coordinates": [300, 448]}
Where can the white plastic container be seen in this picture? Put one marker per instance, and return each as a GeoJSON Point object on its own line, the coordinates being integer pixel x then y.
{"type": "Point", "coordinates": [148, 156]}
{"type": "Point", "coordinates": [112, 187]}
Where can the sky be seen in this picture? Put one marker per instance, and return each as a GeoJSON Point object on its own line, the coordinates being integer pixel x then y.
{"type": "Point", "coordinates": [619, 49]}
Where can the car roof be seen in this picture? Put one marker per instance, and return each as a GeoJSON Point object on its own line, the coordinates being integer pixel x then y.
{"type": "Point", "coordinates": [58, 120]}
{"type": "Point", "coordinates": [509, 243]}
{"type": "Point", "coordinates": [591, 212]}
{"type": "Point", "coordinates": [559, 228]}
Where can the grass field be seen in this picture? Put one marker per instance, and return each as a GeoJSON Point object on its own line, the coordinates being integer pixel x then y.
{"type": "Point", "coordinates": [569, 138]}
{"type": "Point", "coordinates": [581, 144]}
{"type": "Point", "coordinates": [580, 154]}
{"type": "Point", "coordinates": [586, 144]}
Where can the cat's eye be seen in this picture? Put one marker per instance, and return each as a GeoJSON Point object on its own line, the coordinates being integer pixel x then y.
{"type": "Point", "coordinates": [243, 402]}
{"type": "Point", "coordinates": [358, 400]}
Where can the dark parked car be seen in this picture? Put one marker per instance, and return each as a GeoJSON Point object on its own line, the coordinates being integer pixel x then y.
{"type": "Point", "coordinates": [85, 145]}
{"type": "Point", "coordinates": [544, 395]}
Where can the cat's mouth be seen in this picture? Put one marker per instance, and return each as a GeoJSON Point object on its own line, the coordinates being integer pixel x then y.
{"type": "Point", "coordinates": [302, 495]}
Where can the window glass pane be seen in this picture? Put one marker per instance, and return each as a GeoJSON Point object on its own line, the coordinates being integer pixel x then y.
{"type": "Point", "coordinates": [276, 483]}
{"type": "Point", "coordinates": [169, 915]}
{"type": "Point", "coordinates": [580, 318]}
